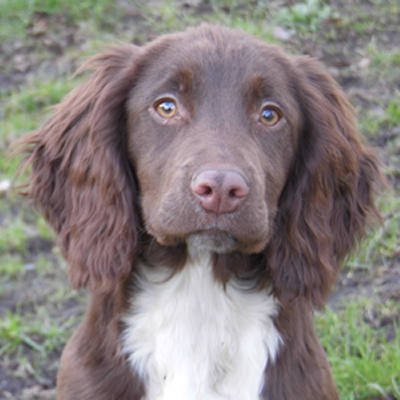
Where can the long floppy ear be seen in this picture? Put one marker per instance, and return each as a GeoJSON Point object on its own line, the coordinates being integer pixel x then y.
{"type": "Point", "coordinates": [329, 197]}
{"type": "Point", "coordinates": [80, 177]}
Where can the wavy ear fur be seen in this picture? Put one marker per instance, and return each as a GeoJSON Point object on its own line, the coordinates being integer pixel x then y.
{"type": "Point", "coordinates": [81, 179]}
{"type": "Point", "coordinates": [329, 197]}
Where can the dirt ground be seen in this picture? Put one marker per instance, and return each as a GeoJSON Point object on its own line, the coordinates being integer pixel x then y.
{"type": "Point", "coordinates": [53, 48]}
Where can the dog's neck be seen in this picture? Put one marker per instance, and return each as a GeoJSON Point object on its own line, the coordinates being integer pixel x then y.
{"type": "Point", "coordinates": [191, 337]}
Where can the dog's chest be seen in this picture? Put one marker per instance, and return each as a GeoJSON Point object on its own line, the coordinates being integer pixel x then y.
{"type": "Point", "coordinates": [188, 338]}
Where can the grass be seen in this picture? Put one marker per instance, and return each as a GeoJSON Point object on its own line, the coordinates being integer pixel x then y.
{"type": "Point", "coordinates": [39, 332]}
{"type": "Point", "coordinates": [19, 228]}
{"type": "Point", "coordinates": [307, 16]}
{"type": "Point", "coordinates": [12, 265]}
{"type": "Point", "coordinates": [364, 362]}
{"type": "Point", "coordinates": [17, 15]}
{"type": "Point", "coordinates": [24, 110]}
{"type": "Point", "coordinates": [38, 96]}
{"type": "Point", "coordinates": [384, 59]}
{"type": "Point", "coordinates": [14, 236]}
{"type": "Point", "coordinates": [383, 241]}
{"type": "Point", "coordinates": [385, 117]}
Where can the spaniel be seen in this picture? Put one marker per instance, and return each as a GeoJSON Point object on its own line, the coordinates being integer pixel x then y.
{"type": "Point", "coordinates": [206, 187]}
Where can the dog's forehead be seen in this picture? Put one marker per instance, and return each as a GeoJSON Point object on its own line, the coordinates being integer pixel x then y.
{"type": "Point", "coordinates": [228, 53]}
{"type": "Point", "coordinates": [218, 58]}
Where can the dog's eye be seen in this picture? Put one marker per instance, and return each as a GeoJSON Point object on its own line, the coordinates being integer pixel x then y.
{"type": "Point", "coordinates": [167, 108]}
{"type": "Point", "coordinates": [270, 115]}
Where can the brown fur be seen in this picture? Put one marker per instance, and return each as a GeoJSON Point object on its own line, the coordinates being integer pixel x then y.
{"type": "Point", "coordinates": [113, 180]}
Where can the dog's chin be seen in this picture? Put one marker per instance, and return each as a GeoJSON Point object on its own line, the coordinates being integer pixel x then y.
{"type": "Point", "coordinates": [215, 241]}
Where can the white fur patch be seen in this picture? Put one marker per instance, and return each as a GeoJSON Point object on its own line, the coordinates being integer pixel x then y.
{"type": "Point", "coordinates": [190, 339]}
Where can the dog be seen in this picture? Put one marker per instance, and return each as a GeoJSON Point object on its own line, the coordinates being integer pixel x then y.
{"type": "Point", "coordinates": [206, 187]}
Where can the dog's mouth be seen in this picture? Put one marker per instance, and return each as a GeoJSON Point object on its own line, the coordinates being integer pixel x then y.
{"type": "Point", "coordinates": [223, 235]}
{"type": "Point", "coordinates": [213, 240]}
{"type": "Point", "coordinates": [210, 240]}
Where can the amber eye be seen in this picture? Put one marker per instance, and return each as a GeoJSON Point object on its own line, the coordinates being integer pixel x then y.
{"type": "Point", "coordinates": [167, 108]}
{"type": "Point", "coordinates": [270, 116]}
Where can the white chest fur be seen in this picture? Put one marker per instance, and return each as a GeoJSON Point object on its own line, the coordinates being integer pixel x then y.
{"type": "Point", "coordinates": [191, 339]}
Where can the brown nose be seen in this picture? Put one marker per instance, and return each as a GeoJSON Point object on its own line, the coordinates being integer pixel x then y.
{"type": "Point", "coordinates": [220, 191]}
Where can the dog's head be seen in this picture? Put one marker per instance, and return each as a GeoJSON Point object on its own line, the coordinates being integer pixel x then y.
{"type": "Point", "coordinates": [213, 130]}
{"type": "Point", "coordinates": [210, 137]}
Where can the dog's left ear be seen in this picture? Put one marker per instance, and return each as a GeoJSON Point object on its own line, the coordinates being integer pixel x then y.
{"type": "Point", "coordinates": [329, 197]}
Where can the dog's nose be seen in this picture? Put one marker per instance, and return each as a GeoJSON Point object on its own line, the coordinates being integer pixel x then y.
{"type": "Point", "coordinates": [220, 191]}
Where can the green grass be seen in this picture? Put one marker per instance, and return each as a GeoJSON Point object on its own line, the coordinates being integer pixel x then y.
{"type": "Point", "coordinates": [44, 230]}
{"type": "Point", "coordinates": [14, 236]}
{"type": "Point", "coordinates": [387, 118]}
{"type": "Point", "coordinates": [39, 332]}
{"type": "Point", "coordinates": [13, 332]}
{"type": "Point", "coordinates": [18, 228]}
{"type": "Point", "coordinates": [306, 16]}
{"type": "Point", "coordinates": [24, 110]}
{"type": "Point", "coordinates": [17, 15]}
{"type": "Point", "coordinates": [392, 114]}
{"type": "Point", "coordinates": [384, 63]}
{"type": "Point", "coordinates": [368, 18]}
{"type": "Point", "coordinates": [11, 265]}
{"type": "Point", "coordinates": [38, 95]}
{"type": "Point", "coordinates": [383, 242]}
{"type": "Point", "coordinates": [384, 59]}
{"type": "Point", "coordinates": [364, 362]}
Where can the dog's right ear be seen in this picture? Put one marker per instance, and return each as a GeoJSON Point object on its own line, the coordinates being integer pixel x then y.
{"type": "Point", "coordinates": [80, 176]}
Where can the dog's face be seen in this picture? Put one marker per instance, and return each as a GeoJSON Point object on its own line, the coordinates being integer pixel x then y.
{"type": "Point", "coordinates": [209, 137]}
{"type": "Point", "coordinates": [205, 111]}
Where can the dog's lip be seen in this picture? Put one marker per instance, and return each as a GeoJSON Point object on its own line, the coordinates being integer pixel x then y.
{"type": "Point", "coordinates": [215, 233]}
{"type": "Point", "coordinates": [215, 239]}
{"type": "Point", "coordinates": [224, 240]}
{"type": "Point", "coordinates": [211, 232]}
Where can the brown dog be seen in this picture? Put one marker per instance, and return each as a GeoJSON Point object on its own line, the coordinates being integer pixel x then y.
{"type": "Point", "coordinates": [206, 187]}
